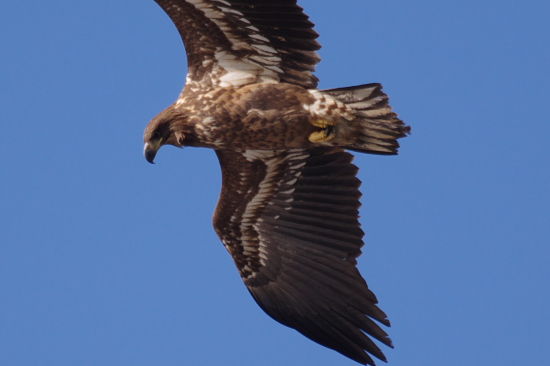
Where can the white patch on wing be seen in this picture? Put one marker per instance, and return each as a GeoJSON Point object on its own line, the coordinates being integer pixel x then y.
{"type": "Point", "coordinates": [235, 72]}
{"type": "Point", "coordinates": [261, 66]}
{"type": "Point", "coordinates": [277, 164]}
{"type": "Point", "coordinates": [259, 37]}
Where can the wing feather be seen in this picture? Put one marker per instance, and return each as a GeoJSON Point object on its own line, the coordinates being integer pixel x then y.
{"type": "Point", "coordinates": [234, 43]}
{"type": "Point", "coordinates": [298, 256]}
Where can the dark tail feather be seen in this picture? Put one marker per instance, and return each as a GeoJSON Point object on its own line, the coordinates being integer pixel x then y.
{"type": "Point", "coordinates": [376, 127]}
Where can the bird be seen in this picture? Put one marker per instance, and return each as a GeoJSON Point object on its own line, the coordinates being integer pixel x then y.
{"type": "Point", "coordinates": [288, 212]}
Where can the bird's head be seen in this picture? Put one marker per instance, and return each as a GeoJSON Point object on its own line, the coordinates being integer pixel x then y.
{"type": "Point", "coordinates": [168, 128]}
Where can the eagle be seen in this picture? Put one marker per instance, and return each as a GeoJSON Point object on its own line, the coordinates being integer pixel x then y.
{"type": "Point", "coordinates": [288, 208]}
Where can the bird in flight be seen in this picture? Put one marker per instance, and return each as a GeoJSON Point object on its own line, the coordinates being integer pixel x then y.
{"type": "Point", "coordinates": [288, 208]}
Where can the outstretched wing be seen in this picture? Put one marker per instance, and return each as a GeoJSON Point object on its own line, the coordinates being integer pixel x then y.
{"type": "Point", "coordinates": [238, 42]}
{"type": "Point", "coordinates": [290, 221]}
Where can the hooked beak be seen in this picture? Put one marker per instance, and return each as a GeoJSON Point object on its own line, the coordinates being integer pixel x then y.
{"type": "Point", "coordinates": [150, 150]}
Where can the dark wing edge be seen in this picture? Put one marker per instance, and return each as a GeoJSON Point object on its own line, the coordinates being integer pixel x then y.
{"type": "Point", "coordinates": [237, 42]}
{"type": "Point", "coordinates": [290, 221]}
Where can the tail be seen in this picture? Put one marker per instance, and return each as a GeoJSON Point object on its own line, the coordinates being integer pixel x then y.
{"type": "Point", "coordinates": [376, 128]}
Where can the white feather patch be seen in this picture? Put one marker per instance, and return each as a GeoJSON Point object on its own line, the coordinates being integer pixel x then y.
{"type": "Point", "coordinates": [275, 162]}
{"type": "Point", "coordinates": [262, 65]}
{"type": "Point", "coordinates": [326, 107]}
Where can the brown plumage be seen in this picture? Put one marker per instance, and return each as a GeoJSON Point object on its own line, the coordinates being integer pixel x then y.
{"type": "Point", "coordinates": [288, 210]}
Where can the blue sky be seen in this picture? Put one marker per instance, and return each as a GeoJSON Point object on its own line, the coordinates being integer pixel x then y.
{"type": "Point", "coordinates": [108, 260]}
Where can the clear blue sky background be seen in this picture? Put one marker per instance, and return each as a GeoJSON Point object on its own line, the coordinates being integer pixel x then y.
{"type": "Point", "coordinates": [107, 260]}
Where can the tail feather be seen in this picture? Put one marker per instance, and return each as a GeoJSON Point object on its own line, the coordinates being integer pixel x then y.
{"type": "Point", "coordinates": [376, 127]}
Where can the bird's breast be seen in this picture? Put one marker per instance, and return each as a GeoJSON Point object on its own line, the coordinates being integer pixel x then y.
{"type": "Point", "coordinates": [262, 117]}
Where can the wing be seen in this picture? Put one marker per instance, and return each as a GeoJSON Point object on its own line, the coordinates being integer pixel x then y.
{"type": "Point", "coordinates": [290, 221]}
{"type": "Point", "coordinates": [238, 42]}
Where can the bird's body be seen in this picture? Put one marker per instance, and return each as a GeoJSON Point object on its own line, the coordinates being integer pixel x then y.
{"type": "Point", "coordinates": [242, 118]}
{"type": "Point", "coordinates": [288, 210]}
{"type": "Point", "coordinates": [281, 116]}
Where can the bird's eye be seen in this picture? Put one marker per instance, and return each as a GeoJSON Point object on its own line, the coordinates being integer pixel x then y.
{"type": "Point", "coordinates": [156, 135]}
